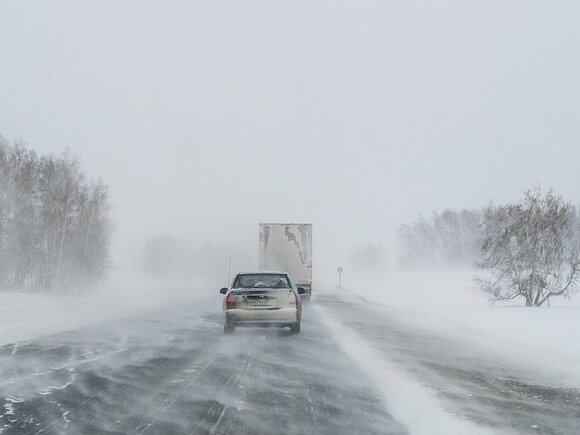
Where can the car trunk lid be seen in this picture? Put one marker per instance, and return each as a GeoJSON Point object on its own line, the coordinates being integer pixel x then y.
{"type": "Point", "coordinates": [266, 299]}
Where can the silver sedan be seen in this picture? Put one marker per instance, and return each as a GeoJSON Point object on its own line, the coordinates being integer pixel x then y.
{"type": "Point", "coordinates": [262, 298]}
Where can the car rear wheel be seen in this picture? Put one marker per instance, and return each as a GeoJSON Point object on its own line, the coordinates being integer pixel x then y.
{"type": "Point", "coordinates": [295, 329]}
{"type": "Point", "coordinates": [228, 329]}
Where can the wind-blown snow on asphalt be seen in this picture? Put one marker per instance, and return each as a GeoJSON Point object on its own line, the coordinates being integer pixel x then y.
{"type": "Point", "coordinates": [150, 366]}
{"type": "Point", "coordinates": [410, 403]}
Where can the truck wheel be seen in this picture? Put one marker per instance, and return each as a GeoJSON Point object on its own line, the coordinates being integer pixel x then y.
{"type": "Point", "coordinates": [295, 329]}
{"type": "Point", "coordinates": [229, 329]}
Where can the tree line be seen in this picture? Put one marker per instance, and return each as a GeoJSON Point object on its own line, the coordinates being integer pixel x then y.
{"type": "Point", "coordinates": [448, 239]}
{"type": "Point", "coordinates": [529, 249]}
{"type": "Point", "coordinates": [168, 256]}
{"type": "Point", "coordinates": [54, 223]}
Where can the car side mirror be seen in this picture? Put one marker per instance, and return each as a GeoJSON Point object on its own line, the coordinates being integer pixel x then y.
{"type": "Point", "coordinates": [301, 291]}
{"type": "Point", "coordinates": [224, 290]}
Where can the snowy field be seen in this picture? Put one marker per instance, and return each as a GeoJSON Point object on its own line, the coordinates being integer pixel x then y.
{"type": "Point", "coordinates": [546, 339]}
{"type": "Point", "coordinates": [26, 316]}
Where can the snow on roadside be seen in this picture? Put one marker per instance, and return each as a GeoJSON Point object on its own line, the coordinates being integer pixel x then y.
{"type": "Point", "coordinates": [26, 316]}
{"type": "Point", "coordinates": [413, 405]}
{"type": "Point", "coordinates": [544, 339]}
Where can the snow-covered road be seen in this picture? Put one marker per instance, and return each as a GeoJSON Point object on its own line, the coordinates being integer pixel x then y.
{"type": "Point", "coordinates": [353, 369]}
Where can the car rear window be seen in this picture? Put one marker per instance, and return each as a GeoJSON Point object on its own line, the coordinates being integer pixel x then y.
{"type": "Point", "coordinates": [262, 280]}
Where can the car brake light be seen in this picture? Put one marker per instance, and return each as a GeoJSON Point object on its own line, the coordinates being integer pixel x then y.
{"type": "Point", "coordinates": [231, 301]}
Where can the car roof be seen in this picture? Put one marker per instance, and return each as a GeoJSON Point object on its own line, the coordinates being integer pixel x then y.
{"type": "Point", "coordinates": [273, 272]}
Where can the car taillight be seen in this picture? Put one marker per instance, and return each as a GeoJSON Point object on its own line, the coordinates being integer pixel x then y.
{"type": "Point", "coordinates": [231, 301]}
{"type": "Point", "coordinates": [294, 301]}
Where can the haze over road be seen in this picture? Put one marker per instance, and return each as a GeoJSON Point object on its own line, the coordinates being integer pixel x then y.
{"type": "Point", "coordinates": [176, 372]}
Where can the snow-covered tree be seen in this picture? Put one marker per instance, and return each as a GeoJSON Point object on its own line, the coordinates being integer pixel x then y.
{"type": "Point", "coordinates": [530, 250]}
{"type": "Point", "coordinates": [54, 225]}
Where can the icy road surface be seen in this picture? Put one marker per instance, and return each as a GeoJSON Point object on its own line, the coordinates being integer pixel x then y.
{"type": "Point", "coordinates": [353, 370]}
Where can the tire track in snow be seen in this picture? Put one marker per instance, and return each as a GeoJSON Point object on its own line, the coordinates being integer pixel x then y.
{"type": "Point", "coordinates": [232, 381]}
{"type": "Point", "coordinates": [198, 366]}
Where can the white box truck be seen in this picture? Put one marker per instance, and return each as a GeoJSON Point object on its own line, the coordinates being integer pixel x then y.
{"type": "Point", "coordinates": [288, 247]}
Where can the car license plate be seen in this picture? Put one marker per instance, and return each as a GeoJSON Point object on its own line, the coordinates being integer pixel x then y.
{"type": "Point", "coordinates": [259, 302]}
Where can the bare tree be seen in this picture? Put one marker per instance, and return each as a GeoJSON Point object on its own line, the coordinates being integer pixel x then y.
{"type": "Point", "coordinates": [530, 250]}
{"type": "Point", "coordinates": [54, 225]}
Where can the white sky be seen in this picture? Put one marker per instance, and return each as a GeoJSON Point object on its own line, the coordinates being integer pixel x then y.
{"type": "Point", "coordinates": [206, 118]}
